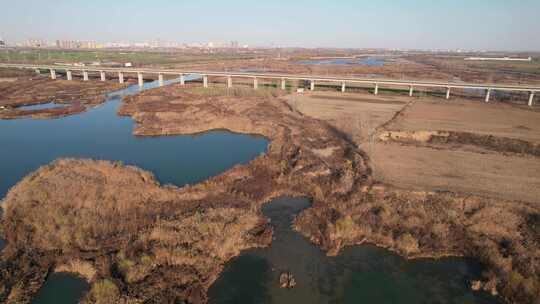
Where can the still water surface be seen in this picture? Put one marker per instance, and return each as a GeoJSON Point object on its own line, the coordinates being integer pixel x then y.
{"type": "Point", "coordinates": [361, 274]}
{"type": "Point", "coordinates": [42, 106]}
{"type": "Point", "coordinates": [100, 133]}
{"type": "Point", "coordinates": [61, 288]}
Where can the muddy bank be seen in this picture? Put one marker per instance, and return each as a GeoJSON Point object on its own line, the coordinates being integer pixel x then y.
{"type": "Point", "coordinates": [440, 138]}
{"type": "Point", "coordinates": [157, 244]}
{"type": "Point", "coordinates": [172, 246]}
{"type": "Point", "coordinates": [500, 234]}
{"type": "Point", "coordinates": [71, 97]}
{"type": "Point", "coordinates": [152, 243]}
{"type": "Point", "coordinates": [294, 270]}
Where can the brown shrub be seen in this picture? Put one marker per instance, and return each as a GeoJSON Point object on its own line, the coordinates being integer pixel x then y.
{"type": "Point", "coordinates": [104, 292]}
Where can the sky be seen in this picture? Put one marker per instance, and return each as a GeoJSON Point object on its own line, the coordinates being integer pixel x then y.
{"type": "Point", "coordinates": [512, 25]}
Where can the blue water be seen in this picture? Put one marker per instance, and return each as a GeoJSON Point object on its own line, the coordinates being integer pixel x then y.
{"type": "Point", "coordinates": [50, 105]}
{"type": "Point", "coordinates": [100, 133]}
{"type": "Point", "coordinates": [362, 274]}
{"type": "Point", "coordinates": [368, 61]}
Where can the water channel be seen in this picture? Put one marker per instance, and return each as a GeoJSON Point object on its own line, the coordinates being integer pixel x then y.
{"type": "Point", "coordinates": [100, 133]}
{"type": "Point", "coordinates": [360, 274]}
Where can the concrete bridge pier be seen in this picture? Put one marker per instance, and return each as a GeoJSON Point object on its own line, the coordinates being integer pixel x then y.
{"type": "Point", "coordinates": [411, 89]}
{"type": "Point", "coordinates": [53, 74]}
{"type": "Point", "coordinates": [102, 75]}
{"type": "Point", "coordinates": [376, 89]}
{"type": "Point", "coordinates": [531, 99]}
{"type": "Point", "coordinates": [312, 85]}
{"type": "Point", "coordinates": [283, 83]}
{"type": "Point", "coordinates": [229, 82]}
{"type": "Point", "coordinates": [255, 83]}
{"type": "Point", "coordinates": [140, 78]}
{"type": "Point", "coordinates": [85, 75]}
{"type": "Point", "coordinates": [448, 93]}
{"type": "Point", "coordinates": [69, 75]}
{"type": "Point", "coordinates": [488, 94]}
{"type": "Point", "coordinates": [160, 80]}
{"type": "Point", "coordinates": [120, 77]}
{"type": "Point", "coordinates": [205, 81]}
{"type": "Point", "coordinates": [343, 87]}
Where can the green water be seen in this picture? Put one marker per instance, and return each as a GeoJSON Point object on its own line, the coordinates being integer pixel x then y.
{"type": "Point", "coordinates": [61, 288]}
{"type": "Point", "coordinates": [360, 274]}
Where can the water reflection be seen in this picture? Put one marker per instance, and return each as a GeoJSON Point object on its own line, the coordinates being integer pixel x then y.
{"type": "Point", "coordinates": [100, 133]}
{"type": "Point", "coordinates": [43, 106]}
{"type": "Point", "coordinates": [360, 274]}
{"type": "Point", "coordinates": [61, 288]}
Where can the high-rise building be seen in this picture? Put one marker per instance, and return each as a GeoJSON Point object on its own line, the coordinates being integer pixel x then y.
{"type": "Point", "coordinates": [2, 42]}
{"type": "Point", "coordinates": [74, 44]}
{"type": "Point", "coordinates": [35, 43]}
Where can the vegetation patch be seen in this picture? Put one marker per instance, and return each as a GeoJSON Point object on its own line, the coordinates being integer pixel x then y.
{"type": "Point", "coordinates": [72, 96]}
{"type": "Point", "coordinates": [159, 243]}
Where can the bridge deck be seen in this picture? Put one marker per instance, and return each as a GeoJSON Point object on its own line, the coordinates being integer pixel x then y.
{"type": "Point", "coordinates": [382, 81]}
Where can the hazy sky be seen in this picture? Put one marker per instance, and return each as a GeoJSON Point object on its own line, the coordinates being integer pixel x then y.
{"type": "Point", "coordinates": [471, 24]}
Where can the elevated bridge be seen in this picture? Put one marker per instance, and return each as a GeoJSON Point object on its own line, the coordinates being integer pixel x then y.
{"type": "Point", "coordinates": [312, 79]}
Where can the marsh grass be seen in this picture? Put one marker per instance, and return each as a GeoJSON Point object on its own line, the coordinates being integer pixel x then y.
{"type": "Point", "coordinates": [216, 91]}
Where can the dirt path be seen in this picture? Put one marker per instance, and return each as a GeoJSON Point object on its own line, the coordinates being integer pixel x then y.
{"type": "Point", "coordinates": [355, 114]}
{"type": "Point", "coordinates": [459, 168]}
{"type": "Point", "coordinates": [497, 119]}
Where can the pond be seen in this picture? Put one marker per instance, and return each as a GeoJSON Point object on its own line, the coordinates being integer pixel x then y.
{"type": "Point", "coordinates": [100, 133]}
{"type": "Point", "coordinates": [360, 274]}
{"type": "Point", "coordinates": [61, 288]}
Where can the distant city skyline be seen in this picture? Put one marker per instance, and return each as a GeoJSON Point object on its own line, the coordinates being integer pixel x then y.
{"type": "Point", "coordinates": [415, 24]}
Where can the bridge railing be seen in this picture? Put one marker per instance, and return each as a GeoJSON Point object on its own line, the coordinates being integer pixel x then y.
{"type": "Point", "coordinates": [313, 79]}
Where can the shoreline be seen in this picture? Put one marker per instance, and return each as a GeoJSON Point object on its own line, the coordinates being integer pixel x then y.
{"type": "Point", "coordinates": [306, 157]}
{"type": "Point", "coordinates": [76, 97]}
